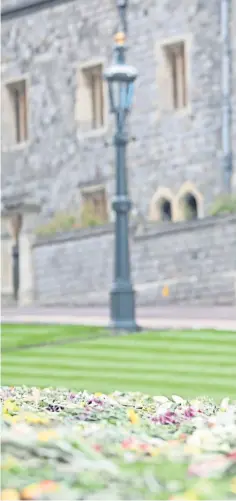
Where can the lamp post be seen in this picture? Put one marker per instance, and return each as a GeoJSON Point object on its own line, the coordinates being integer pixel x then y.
{"type": "Point", "coordinates": [120, 78]}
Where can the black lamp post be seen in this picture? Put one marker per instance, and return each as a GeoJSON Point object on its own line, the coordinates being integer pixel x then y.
{"type": "Point", "coordinates": [120, 78]}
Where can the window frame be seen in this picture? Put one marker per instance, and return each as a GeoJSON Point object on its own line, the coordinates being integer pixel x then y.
{"type": "Point", "coordinates": [93, 191]}
{"type": "Point", "coordinates": [163, 49]}
{"type": "Point", "coordinates": [84, 67]}
{"type": "Point", "coordinates": [9, 84]}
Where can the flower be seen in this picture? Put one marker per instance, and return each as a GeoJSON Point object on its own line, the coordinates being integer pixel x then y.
{"type": "Point", "coordinates": [189, 495]}
{"type": "Point", "coordinates": [9, 463]}
{"type": "Point", "coordinates": [35, 419]}
{"type": "Point", "coordinates": [133, 417]}
{"type": "Point", "coordinates": [45, 436]}
{"type": "Point", "coordinates": [10, 495]}
{"type": "Point", "coordinates": [189, 412]}
{"type": "Point", "coordinates": [10, 407]}
{"type": "Point", "coordinates": [32, 491]}
{"type": "Point", "coordinates": [169, 417]}
{"type": "Point", "coordinates": [36, 395]}
{"type": "Point", "coordinates": [35, 447]}
{"type": "Point", "coordinates": [233, 485]}
{"type": "Point", "coordinates": [48, 486]}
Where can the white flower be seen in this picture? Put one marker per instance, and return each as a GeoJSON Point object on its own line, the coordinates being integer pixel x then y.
{"type": "Point", "coordinates": [36, 395]}
{"type": "Point", "coordinates": [224, 404]}
{"type": "Point", "coordinates": [160, 399]}
{"type": "Point", "coordinates": [177, 399]}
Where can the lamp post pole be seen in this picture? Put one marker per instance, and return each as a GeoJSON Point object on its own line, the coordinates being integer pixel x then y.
{"type": "Point", "coordinates": [120, 79]}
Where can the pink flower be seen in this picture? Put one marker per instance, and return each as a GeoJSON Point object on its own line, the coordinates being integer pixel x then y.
{"type": "Point", "coordinates": [168, 418]}
{"type": "Point", "coordinates": [190, 412]}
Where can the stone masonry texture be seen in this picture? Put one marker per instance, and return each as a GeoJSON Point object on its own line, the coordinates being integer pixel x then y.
{"type": "Point", "coordinates": [196, 261]}
{"type": "Point", "coordinates": [47, 46]}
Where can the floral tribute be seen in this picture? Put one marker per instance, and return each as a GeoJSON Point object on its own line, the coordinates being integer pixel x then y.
{"type": "Point", "coordinates": [59, 445]}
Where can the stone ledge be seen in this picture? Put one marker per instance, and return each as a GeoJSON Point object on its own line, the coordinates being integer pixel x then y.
{"type": "Point", "coordinates": [79, 234]}
{"type": "Point", "coordinates": [160, 229]}
{"type": "Point", "coordinates": [149, 231]}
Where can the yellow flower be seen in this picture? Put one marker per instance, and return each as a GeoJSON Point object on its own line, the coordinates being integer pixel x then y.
{"type": "Point", "coordinates": [189, 495]}
{"type": "Point", "coordinates": [97, 394]}
{"type": "Point", "coordinates": [34, 419]}
{"type": "Point", "coordinates": [192, 450]}
{"type": "Point", "coordinates": [155, 452]}
{"type": "Point", "coordinates": [11, 419]}
{"type": "Point", "coordinates": [10, 407]}
{"type": "Point", "coordinates": [133, 417]}
{"type": "Point", "coordinates": [233, 485]}
{"type": "Point", "coordinates": [45, 436]}
{"type": "Point", "coordinates": [9, 463]}
{"type": "Point", "coordinates": [9, 495]}
{"type": "Point", "coordinates": [32, 491]}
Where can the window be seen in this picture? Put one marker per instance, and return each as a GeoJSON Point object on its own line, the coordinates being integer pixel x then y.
{"type": "Point", "coordinates": [190, 207]}
{"type": "Point", "coordinates": [189, 202]}
{"type": "Point", "coordinates": [173, 73]}
{"type": "Point", "coordinates": [18, 110]}
{"type": "Point", "coordinates": [94, 208]}
{"type": "Point", "coordinates": [90, 98]}
{"type": "Point", "coordinates": [162, 205]}
{"type": "Point", "coordinates": [165, 210]}
{"type": "Point", "coordinates": [177, 71]}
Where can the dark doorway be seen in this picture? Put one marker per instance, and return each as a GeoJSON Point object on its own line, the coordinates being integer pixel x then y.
{"type": "Point", "coordinates": [190, 207]}
{"type": "Point", "coordinates": [166, 210]}
{"type": "Point", "coordinates": [16, 223]}
{"type": "Point", "coordinates": [15, 269]}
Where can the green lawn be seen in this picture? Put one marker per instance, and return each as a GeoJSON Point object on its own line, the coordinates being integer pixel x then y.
{"type": "Point", "coordinates": [184, 363]}
{"type": "Point", "coordinates": [15, 335]}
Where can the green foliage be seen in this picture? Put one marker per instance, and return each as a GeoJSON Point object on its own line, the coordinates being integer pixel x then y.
{"type": "Point", "coordinates": [224, 204]}
{"type": "Point", "coordinates": [60, 222]}
{"type": "Point", "coordinates": [89, 218]}
{"type": "Point", "coordinates": [64, 221]}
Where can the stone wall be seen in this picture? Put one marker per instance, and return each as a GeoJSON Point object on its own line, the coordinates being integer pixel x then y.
{"type": "Point", "coordinates": [197, 261]}
{"type": "Point", "coordinates": [47, 47]}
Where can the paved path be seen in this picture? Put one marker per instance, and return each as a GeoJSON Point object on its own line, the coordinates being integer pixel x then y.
{"type": "Point", "coordinates": [160, 317]}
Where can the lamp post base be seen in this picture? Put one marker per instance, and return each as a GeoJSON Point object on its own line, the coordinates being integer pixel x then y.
{"type": "Point", "coordinates": [122, 300]}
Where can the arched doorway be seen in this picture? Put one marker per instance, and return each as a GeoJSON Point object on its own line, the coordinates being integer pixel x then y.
{"type": "Point", "coordinates": [189, 203]}
{"type": "Point", "coordinates": [165, 210]}
{"type": "Point", "coordinates": [19, 220]}
{"type": "Point", "coordinates": [161, 205]}
{"type": "Point", "coordinates": [15, 224]}
{"type": "Point", "coordinates": [189, 207]}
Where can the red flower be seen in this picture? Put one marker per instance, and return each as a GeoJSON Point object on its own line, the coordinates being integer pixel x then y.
{"type": "Point", "coordinates": [127, 443]}
{"type": "Point", "coordinates": [97, 447]}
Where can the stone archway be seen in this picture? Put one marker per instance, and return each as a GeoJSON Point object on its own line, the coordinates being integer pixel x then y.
{"type": "Point", "coordinates": [15, 224]}
{"type": "Point", "coordinates": [161, 206]}
{"type": "Point", "coordinates": [16, 242]}
{"type": "Point", "coordinates": [189, 203]}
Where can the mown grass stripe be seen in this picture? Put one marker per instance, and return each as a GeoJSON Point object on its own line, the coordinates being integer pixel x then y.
{"type": "Point", "coordinates": [130, 356]}
{"type": "Point", "coordinates": [139, 366]}
{"type": "Point", "coordinates": [152, 343]}
{"type": "Point", "coordinates": [155, 348]}
{"type": "Point", "coordinates": [190, 389]}
{"type": "Point", "coordinates": [100, 374]}
{"type": "Point", "coordinates": [185, 335]}
{"type": "Point", "coordinates": [36, 329]}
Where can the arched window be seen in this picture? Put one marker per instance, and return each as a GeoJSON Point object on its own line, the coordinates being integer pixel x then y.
{"type": "Point", "coordinates": [161, 206]}
{"type": "Point", "coordinates": [189, 204]}
{"type": "Point", "coordinates": [165, 210]}
{"type": "Point", "coordinates": [190, 207]}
